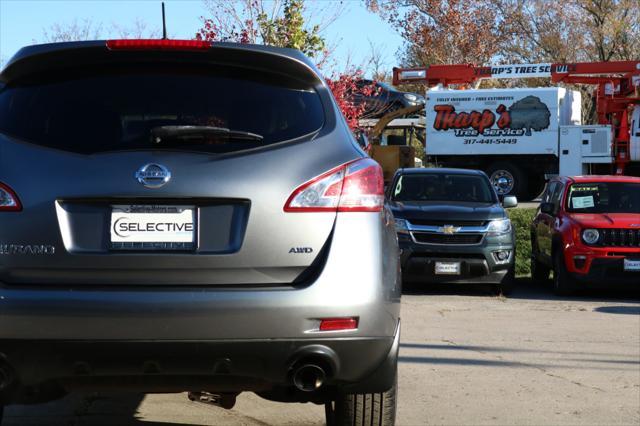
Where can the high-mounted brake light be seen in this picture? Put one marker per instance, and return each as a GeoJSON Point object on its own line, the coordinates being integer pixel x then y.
{"type": "Point", "coordinates": [338, 324]}
{"type": "Point", "coordinates": [357, 186]}
{"type": "Point", "coordinates": [155, 44]}
{"type": "Point", "coordinates": [9, 201]}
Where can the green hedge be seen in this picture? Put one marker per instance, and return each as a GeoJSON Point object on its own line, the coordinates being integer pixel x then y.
{"type": "Point", "coordinates": [521, 219]}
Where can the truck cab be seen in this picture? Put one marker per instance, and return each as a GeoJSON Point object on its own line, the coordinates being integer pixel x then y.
{"type": "Point", "coordinates": [452, 228]}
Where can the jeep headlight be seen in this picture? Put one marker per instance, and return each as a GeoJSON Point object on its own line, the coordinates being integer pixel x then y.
{"type": "Point", "coordinates": [499, 227]}
{"type": "Point", "coordinates": [590, 236]}
{"type": "Point", "coordinates": [402, 226]}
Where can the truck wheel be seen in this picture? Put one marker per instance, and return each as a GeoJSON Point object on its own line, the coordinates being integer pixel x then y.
{"type": "Point", "coordinates": [563, 284]}
{"type": "Point", "coordinates": [508, 179]}
{"type": "Point", "coordinates": [506, 285]}
{"type": "Point", "coordinates": [369, 409]}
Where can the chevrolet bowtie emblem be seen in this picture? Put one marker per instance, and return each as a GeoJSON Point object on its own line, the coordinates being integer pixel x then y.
{"type": "Point", "coordinates": [449, 229]}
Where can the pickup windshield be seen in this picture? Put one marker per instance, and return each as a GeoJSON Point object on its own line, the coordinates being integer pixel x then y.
{"type": "Point", "coordinates": [443, 187]}
{"type": "Point", "coordinates": [202, 108]}
{"type": "Point", "coordinates": [604, 197]}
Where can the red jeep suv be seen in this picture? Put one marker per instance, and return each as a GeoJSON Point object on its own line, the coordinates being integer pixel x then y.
{"type": "Point", "coordinates": [587, 229]}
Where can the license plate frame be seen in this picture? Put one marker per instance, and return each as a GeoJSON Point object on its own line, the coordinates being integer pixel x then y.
{"type": "Point", "coordinates": [447, 268]}
{"type": "Point", "coordinates": [631, 265]}
{"type": "Point", "coordinates": [147, 227]}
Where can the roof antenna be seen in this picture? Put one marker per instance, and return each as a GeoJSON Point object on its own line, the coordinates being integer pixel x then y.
{"type": "Point", "coordinates": [164, 24]}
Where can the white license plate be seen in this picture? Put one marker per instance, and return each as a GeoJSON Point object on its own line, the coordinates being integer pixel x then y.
{"type": "Point", "coordinates": [153, 227]}
{"type": "Point", "coordinates": [448, 268]}
{"type": "Point", "coordinates": [632, 265]}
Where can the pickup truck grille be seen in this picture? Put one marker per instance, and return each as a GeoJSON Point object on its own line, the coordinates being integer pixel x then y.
{"type": "Point", "coordinates": [431, 238]}
{"type": "Point", "coordinates": [619, 237]}
{"type": "Point", "coordinates": [430, 222]}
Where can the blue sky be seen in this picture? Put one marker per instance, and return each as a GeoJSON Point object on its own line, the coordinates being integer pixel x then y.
{"type": "Point", "coordinates": [23, 22]}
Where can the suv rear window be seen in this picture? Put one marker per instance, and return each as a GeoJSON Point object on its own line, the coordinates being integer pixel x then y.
{"type": "Point", "coordinates": [92, 111]}
{"type": "Point", "coordinates": [444, 187]}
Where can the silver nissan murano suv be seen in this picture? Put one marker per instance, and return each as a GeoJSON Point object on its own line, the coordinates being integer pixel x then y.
{"type": "Point", "coordinates": [191, 216]}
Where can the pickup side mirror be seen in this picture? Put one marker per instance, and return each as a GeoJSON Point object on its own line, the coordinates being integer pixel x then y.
{"type": "Point", "coordinates": [509, 201]}
{"type": "Point", "coordinates": [547, 208]}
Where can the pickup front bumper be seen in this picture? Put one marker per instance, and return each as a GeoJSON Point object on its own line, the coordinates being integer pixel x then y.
{"type": "Point", "coordinates": [478, 262]}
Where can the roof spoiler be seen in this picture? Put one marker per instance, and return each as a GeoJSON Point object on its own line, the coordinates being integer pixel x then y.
{"type": "Point", "coordinates": [56, 57]}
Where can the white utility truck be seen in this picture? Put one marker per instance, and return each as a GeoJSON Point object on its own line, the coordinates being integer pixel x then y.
{"type": "Point", "coordinates": [517, 136]}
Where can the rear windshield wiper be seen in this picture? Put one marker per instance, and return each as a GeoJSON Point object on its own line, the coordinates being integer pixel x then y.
{"type": "Point", "coordinates": [161, 133]}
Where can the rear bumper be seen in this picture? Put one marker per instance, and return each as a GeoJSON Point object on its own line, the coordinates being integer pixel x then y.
{"type": "Point", "coordinates": [176, 366]}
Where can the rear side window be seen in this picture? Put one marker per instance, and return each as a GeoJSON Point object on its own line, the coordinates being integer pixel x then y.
{"type": "Point", "coordinates": [557, 196]}
{"type": "Point", "coordinates": [115, 109]}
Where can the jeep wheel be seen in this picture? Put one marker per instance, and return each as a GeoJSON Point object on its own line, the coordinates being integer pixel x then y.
{"type": "Point", "coordinates": [369, 409]}
{"type": "Point", "coordinates": [563, 284]}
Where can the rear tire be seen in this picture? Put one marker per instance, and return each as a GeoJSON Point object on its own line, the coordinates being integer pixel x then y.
{"type": "Point", "coordinates": [563, 284]}
{"type": "Point", "coordinates": [371, 409]}
{"type": "Point", "coordinates": [508, 179]}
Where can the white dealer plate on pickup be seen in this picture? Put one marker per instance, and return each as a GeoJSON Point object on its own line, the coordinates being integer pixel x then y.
{"type": "Point", "coordinates": [447, 268]}
{"type": "Point", "coordinates": [632, 265]}
{"type": "Point", "coordinates": [152, 227]}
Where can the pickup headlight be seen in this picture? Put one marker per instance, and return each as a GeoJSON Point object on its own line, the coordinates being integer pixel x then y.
{"type": "Point", "coordinates": [402, 226]}
{"type": "Point", "coordinates": [590, 236]}
{"type": "Point", "coordinates": [499, 227]}
{"type": "Point", "coordinates": [411, 97]}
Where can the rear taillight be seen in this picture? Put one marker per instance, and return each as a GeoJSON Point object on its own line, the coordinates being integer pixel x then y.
{"type": "Point", "coordinates": [354, 187]}
{"type": "Point", "coordinates": [155, 44]}
{"type": "Point", "coordinates": [9, 201]}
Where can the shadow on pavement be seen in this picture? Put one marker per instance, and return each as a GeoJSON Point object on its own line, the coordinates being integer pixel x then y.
{"type": "Point", "coordinates": [624, 310]}
{"type": "Point", "coordinates": [83, 409]}
{"type": "Point", "coordinates": [502, 349]}
{"type": "Point", "coordinates": [525, 288]}
{"type": "Point", "coordinates": [517, 364]}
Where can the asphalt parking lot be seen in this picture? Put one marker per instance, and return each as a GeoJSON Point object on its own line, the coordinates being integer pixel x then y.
{"type": "Point", "coordinates": [467, 358]}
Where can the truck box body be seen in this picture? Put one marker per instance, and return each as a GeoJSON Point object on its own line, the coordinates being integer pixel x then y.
{"type": "Point", "coordinates": [499, 121]}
